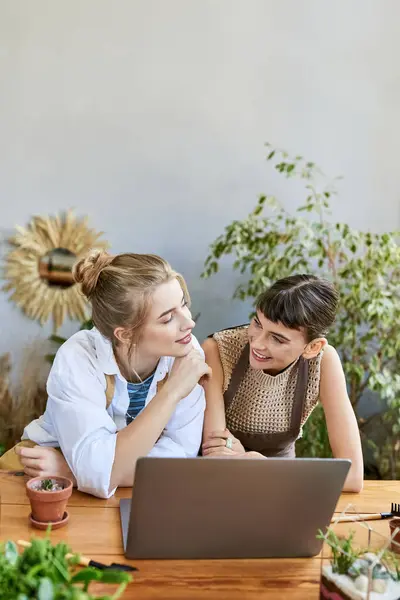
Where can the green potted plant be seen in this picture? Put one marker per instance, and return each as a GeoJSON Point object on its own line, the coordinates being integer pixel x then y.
{"type": "Point", "coordinates": [271, 243]}
{"type": "Point", "coordinates": [354, 572]}
{"type": "Point", "coordinates": [48, 498]}
{"type": "Point", "coordinates": [45, 571]}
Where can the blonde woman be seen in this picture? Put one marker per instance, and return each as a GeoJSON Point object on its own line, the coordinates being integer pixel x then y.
{"type": "Point", "coordinates": [143, 350]}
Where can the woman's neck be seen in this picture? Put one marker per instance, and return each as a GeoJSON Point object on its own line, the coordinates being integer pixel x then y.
{"type": "Point", "coordinates": [135, 368]}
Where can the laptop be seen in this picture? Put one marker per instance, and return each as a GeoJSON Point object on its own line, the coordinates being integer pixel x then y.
{"type": "Point", "coordinates": [187, 508]}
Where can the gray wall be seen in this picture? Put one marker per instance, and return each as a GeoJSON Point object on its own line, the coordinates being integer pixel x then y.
{"type": "Point", "coordinates": [150, 116]}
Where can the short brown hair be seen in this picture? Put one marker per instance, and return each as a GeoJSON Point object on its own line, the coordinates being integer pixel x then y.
{"type": "Point", "coordinates": [301, 301]}
{"type": "Point", "coordinates": [119, 288]}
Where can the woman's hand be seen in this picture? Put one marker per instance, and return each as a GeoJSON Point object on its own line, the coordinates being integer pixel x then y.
{"type": "Point", "coordinates": [186, 372]}
{"type": "Point", "coordinates": [218, 443]}
{"type": "Point", "coordinates": [44, 461]}
{"type": "Point", "coordinates": [253, 454]}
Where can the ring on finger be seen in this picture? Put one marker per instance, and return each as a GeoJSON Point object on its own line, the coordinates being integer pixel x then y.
{"type": "Point", "coordinates": [229, 443]}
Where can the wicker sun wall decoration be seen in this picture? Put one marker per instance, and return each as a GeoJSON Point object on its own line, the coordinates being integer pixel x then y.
{"type": "Point", "coordinates": [38, 268]}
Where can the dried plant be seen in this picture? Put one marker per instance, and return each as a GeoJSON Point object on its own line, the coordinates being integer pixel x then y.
{"type": "Point", "coordinates": [25, 400]}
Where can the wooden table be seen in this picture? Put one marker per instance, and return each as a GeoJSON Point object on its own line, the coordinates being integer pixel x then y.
{"type": "Point", "coordinates": [94, 530]}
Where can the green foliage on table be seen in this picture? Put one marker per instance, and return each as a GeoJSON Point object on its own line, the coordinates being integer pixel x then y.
{"type": "Point", "coordinates": [43, 572]}
{"type": "Point", "coordinates": [271, 243]}
{"type": "Point", "coordinates": [391, 561]}
{"type": "Point", "coordinates": [343, 553]}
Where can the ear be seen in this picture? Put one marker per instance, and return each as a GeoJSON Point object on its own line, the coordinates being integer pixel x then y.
{"type": "Point", "coordinates": [314, 347]}
{"type": "Point", "coordinates": [122, 335]}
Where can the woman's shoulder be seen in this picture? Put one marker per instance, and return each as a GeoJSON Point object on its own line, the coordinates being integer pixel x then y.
{"type": "Point", "coordinates": [83, 342]}
{"type": "Point", "coordinates": [79, 353]}
{"type": "Point", "coordinates": [230, 343]}
{"type": "Point", "coordinates": [77, 372]}
{"type": "Point", "coordinates": [232, 335]}
{"type": "Point", "coordinates": [330, 359]}
{"type": "Point", "coordinates": [326, 361]}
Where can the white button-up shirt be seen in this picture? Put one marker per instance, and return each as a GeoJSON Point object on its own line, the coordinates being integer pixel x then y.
{"type": "Point", "coordinates": [76, 418]}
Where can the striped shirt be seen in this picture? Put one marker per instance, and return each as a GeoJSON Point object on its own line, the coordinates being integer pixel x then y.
{"type": "Point", "coordinates": [137, 397]}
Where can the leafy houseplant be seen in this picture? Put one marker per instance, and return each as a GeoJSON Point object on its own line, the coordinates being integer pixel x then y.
{"type": "Point", "coordinates": [343, 553]}
{"type": "Point", "coordinates": [272, 243]}
{"type": "Point", "coordinates": [45, 572]}
{"type": "Point", "coordinates": [349, 572]}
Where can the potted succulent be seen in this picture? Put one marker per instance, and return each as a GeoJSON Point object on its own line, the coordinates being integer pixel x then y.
{"type": "Point", "coordinates": [359, 572]}
{"type": "Point", "coordinates": [49, 497]}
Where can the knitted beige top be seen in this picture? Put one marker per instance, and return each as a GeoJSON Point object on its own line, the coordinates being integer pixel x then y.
{"type": "Point", "coordinates": [263, 403]}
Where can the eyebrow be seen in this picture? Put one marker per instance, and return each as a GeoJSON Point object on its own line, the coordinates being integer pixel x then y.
{"type": "Point", "coordinates": [166, 312]}
{"type": "Point", "coordinates": [279, 335]}
{"type": "Point", "coordinates": [282, 337]}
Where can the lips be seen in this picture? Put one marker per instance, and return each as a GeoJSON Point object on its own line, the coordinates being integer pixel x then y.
{"type": "Point", "coordinates": [185, 340]}
{"type": "Point", "coordinates": [259, 356]}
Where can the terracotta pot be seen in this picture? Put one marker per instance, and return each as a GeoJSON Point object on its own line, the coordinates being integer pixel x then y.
{"type": "Point", "coordinates": [395, 524]}
{"type": "Point", "coordinates": [48, 506]}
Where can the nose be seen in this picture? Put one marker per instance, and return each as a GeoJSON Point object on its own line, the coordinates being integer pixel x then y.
{"type": "Point", "coordinates": [261, 342]}
{"type": "Point", "coordinates": [187, 323]}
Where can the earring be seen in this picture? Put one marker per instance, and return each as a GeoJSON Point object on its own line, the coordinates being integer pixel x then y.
{"type": "Point", "coordinates": [133, 369]}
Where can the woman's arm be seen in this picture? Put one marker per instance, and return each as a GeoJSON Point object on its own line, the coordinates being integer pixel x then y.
{"type": "Point", "coordinates": [100, 457]}
{"type": "Point", "coordinates": [168, 426]}
{"type": "Point", "coordinates": [215, 433]}
{"type": "Point", "coordinates": [214, 416]}
{"type": "Point", "coordinates": [344, 435]}
{"type": "Point", "coordinates": [141, 437]}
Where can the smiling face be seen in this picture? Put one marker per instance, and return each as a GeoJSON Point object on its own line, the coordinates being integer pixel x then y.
{"type": "Point", "coordinates": [167, 330]}
{"type": "Point", "coordinates": [273, 347]}
{"type": "Point", "coordinates": [292, 318]}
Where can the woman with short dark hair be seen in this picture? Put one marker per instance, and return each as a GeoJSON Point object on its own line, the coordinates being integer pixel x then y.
{"type": "Point", "coordinates": [269, 376]}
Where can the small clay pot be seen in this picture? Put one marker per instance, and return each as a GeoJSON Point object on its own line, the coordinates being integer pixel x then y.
{"type": "Point", "coordinates": [48, 506]}
{"type": "Point", "coordinates": [395, 524]}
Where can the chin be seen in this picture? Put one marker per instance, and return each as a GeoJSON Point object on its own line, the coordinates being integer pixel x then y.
{"type": "Point", "coordinates": [257, 365]}
{"type": "Point", "coordinates": [180, 350]}
{"type": "Point", "coordinates": [268, 365]}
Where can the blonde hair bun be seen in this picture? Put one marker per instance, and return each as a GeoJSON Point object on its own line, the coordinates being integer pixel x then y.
{"type": "Point", "coordinates": [87, 270]}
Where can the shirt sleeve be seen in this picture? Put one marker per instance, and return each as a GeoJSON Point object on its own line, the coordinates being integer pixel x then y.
{"type": "Point", "coordinates": [181, 437]}
{"type": "Point", "coordinates": [84, 430]}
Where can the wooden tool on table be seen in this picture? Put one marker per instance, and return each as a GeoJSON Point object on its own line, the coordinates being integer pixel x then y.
{"type": "Point", "coordinates": [394, 512]}
{"type": "Point", "coordinates": [84, 561]}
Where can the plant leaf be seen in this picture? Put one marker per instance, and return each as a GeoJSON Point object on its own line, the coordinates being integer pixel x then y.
{"type": "Point", "coordinates": [11, 553]}
{"type": "Point", "coordinates": [45, 590]}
